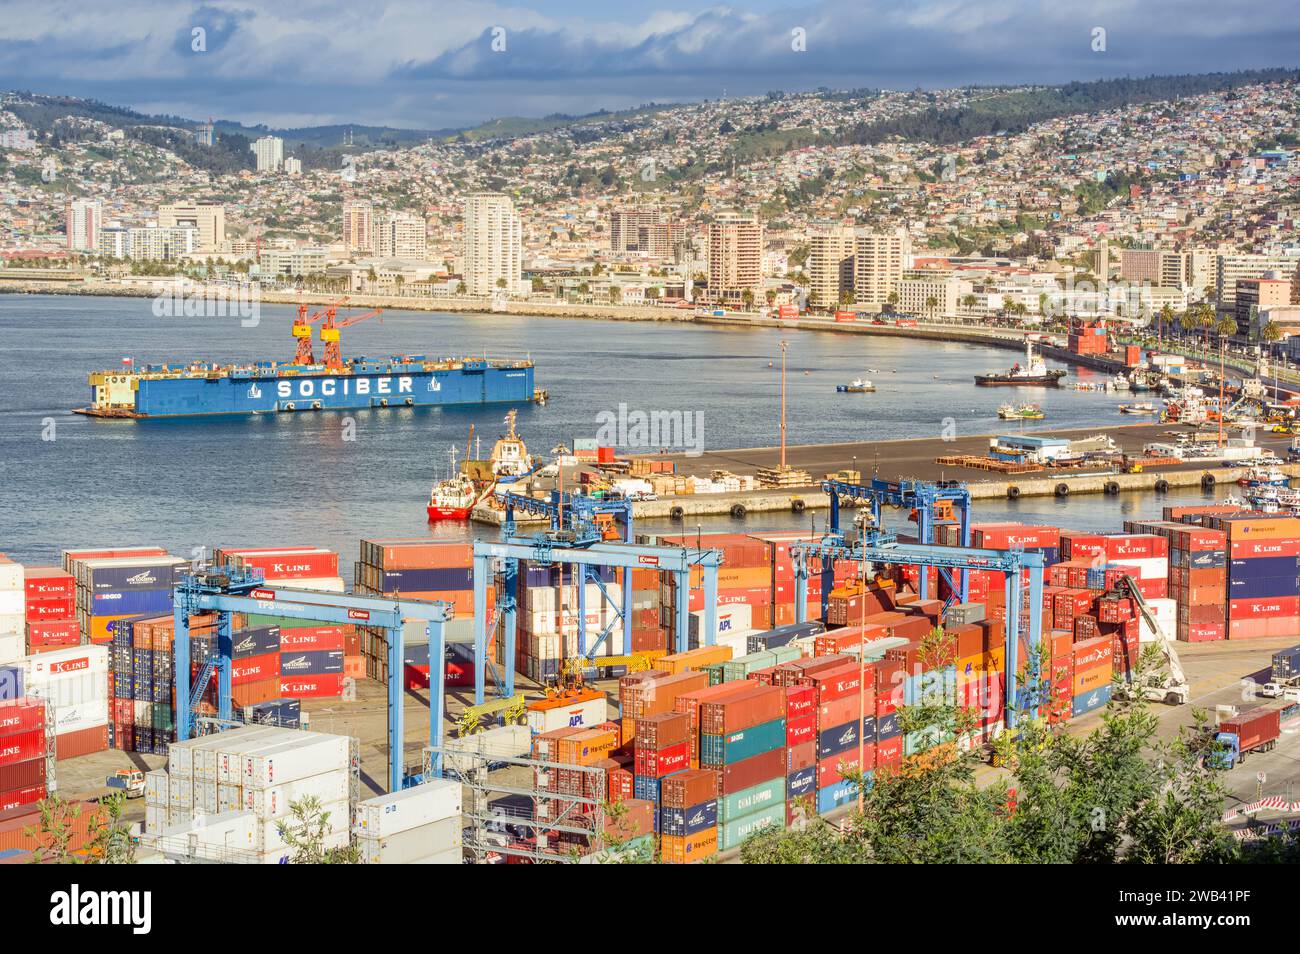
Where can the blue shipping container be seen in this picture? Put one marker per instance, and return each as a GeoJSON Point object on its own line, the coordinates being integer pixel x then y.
{"type": "Point", "coordinates": [257, 641]}
{"type": "Point", "coordinates": [119, 578]}
{"type": "Point", "coordinates": [833, 796]}
{"type": "Point", "coordinates": [801, 783]}
{"type": "Point", "coordinates": [647, 788]}
{"type": "Point", "coordinates": [688, 821]}
{"type": "Point", "coordinates": [743, 744]}
{"type": "Point", "coordinates": [316, 663]}
{"type": "Point", "coordinates": [838, 739]}
{"type": "Point", "coordinates": [138, 602]}
{"type": "Point", "coordinates": [887, 727]}
{"type": "Point", "coordinates": [1262, 587]}
{"type": "Point", "coordinates": [1091, 701]}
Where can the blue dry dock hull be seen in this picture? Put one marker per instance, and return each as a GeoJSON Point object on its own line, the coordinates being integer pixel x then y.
{"type": "Point", "coordinates": [242, 394]}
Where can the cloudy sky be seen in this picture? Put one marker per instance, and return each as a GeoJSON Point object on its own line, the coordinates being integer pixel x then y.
{"type": "Point", "coordinates": [433, 65]}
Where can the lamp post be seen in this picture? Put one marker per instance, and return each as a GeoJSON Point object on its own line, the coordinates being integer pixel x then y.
{"type": "Point", "coordinates": [784, 345]}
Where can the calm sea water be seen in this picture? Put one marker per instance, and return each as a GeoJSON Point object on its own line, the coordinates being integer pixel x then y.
{"type": "Point", "coordinates": [288, 479]}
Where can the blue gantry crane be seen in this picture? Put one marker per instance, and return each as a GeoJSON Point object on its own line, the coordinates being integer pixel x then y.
{"type": "Point", "coordinates": [227, 590]}
{"type": "Point", "coordinates": [876, 545]}
{"type": "Point", "coordinates": [922, 496]}
{"type": "Point", "coordinates": [581, 535]}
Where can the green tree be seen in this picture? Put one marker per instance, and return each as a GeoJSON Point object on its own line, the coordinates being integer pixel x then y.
{"type": "Point", "coordinates": [304, 833]}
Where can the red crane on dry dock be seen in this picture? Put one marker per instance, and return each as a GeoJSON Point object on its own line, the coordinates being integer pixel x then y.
{"type": "Point", "coordinates": [329, 334]}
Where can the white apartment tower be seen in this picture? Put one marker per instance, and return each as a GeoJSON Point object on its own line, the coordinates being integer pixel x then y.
{"type": "Point", "coordinates": [84, 221]}
{"type": "Point", "coordinates": [208, 219]}
{"type": "Point", "coordinates": [400, 235]}
{"type": "Point", "coordinates": [878, 262]}
{"type": "Point", "coordinates": [493, 244]}
{"type": "Point", "coordinates": [269, 151]}
{"type": "Point", "coordinates": [830, 266]}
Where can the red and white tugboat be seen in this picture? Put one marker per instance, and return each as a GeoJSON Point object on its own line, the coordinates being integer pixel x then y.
{"type": "Point", "coordinates": [454, 497]}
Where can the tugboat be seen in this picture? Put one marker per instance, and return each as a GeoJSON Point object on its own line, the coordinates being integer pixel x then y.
{"type": "Point", "coordinates": [1264, 475]}
{"type": "Point", "coordinates": [1034, 372]}
{"type": "Point", "coordinates": [1021, 412]}
{"type": "Point", "coordinates": [454, 497]}
{"type": "Point", "coordinates": [858, 386]}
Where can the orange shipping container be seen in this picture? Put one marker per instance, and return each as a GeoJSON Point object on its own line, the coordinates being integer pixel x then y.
{"type": "Point", "coordinates": [685, 849]}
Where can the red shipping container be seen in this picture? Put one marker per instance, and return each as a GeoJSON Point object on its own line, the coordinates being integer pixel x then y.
{"type": "Point", "coordinates": [801, 730]}
{"type": "Point", "coordinates": [831, 770]}
{"type": "Point", "coordinates": [690, 788]}
{"type": "Point", "coordinates": [22, 796]}
{"type": "Point", "coordinates": [1077, 546]}
{"type": "Point", "coordinates": [301, 565]}
{"type": "Point", "coordinates": [1138, 546]}
{"type": "Point", "coordinates": [1270, 606]}
{"type": "Point", "coordinates": [52, 607]}
{"type": "Point", "coordinates": [312, 687]}
{"type": "Point", "coordinates": [839, 711]}
{"type": "Point", "coordinates": [889, 751]}
{"type": "Point", "coordinates": [657, 763]}
{"type": "Point", "coordinates": [22, 775]}
{"type": "Point", "coordinates": [800, 701]}
{"type": "Point", "coordinates": [20, 716]}
{"type": "Point", "coordinates": [313, 639]}
{"type": "Point", "coordinates": [254, 668]}
{"type": "Point", "coordinates": [53, 633]}
{"type": "Point", "coordinates": [751, 771]}
{"type": "Point", "coordinates": [841, 682]}
{"type": "Point", "coordinates": [800, 757]}
{"type": "Point", "coordinates": [1201, 632]}
{"type": "Point", "coordinates": [45, 582]}
{"type": "Point", "coordinates": [71, 745]}
{"type": "Point", "coordinates": [22, 746]}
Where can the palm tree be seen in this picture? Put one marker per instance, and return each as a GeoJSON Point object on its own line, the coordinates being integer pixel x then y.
{"type": "Point", "coordinates": [931, 304]}
{"type": "Point", "coordinates": [747, 296]}
{"type": "Point", "coordinates": [1205, 321]}
{"type": "Point", "coordinates": [1166, 319]}
{"type": "Point", "coordinates": [1225, 328]}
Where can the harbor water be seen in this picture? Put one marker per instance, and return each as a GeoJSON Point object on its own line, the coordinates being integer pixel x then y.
{"type": "Point", "coordinates": [330, 478]}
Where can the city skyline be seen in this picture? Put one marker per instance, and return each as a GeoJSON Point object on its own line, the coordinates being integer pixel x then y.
{"type": "Point", "coordinates": [477, 62]}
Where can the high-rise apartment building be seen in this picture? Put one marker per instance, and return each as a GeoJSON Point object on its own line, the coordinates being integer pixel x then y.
{"type": "Point", "coordinates": [292, 166]}
{"type": "Point", "coordinates": [493, 244]}
{"type": "Point", "coordinates": [400, 235]}
{"type": "Point", "coordinates": [1233, 268]}
{"type": "Point", "coordinates": [878, 262]}
{"type": "Point", "coordinates": [161, 244]}
{"type": "Point", "coordinates": [625, 226]}
{"type": "Point", "coordinates": [735, 258]}
{"type": "Point", "coordinates": [358, 225]}
{"type": "Point", "coordinates": [830, 266]}
{"type": "Point", "coordinates": [658, 240]}
{"type": "Point", "coordinates": [208, 219]}
{"type": "Point", "coordinates": [269, 151]}
{"type": "Point", "coordinates": [84, 218]}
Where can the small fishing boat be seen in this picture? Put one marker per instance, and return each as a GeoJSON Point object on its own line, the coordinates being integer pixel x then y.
{"type": "Point", "coordinates": [858, 386]}
{"type": "Point", "coordinates": [1021, 412]}
{"type": "Point", "coordinates": [1142, 407]}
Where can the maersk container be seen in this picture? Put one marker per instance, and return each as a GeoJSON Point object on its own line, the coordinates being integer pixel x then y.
{"type": "Point", "coordinates": [410, 808]}
{"type": "Point", "coordinates": [740, 745]}
{"type": "Point", "coordinates": [752, 799]}
{"type": "Point", "coordinates": [311, 754]}
{"type": "Point", "coordinates": [274, 802]}
{"type": "Point", "coordinates": [414, 845]}
{"type": "Point", "coordinates": [731, 834]}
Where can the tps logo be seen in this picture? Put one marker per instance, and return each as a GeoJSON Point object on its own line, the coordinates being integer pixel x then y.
{"type": "Point", "coordinates": [76, 907]}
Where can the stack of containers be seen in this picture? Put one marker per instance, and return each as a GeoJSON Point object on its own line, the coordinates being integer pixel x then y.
{"type": "Point", "coordinates": [12, 616]}
{"type": "Point", "coordinates": [661, 749]}
{"type": "Point", "coordinates": [744, 579]}
{"type": "Point", "coordinates": [688, 816]}
{"type": "Point", "coordinates": [735, 626]}
{"type": "Point", "coordinates": [51, 609]}
{"type": "Point", "coordinates": [645, 632]}
{"type": "Point", "coordinates": [1093, 666]}
{"type": "Point", "coordinates": [742, 739]}
{"type": "Point", "coordinates": [114, 588]}
{"type": "Point", "coordinates": [650, 692]}
{"type": "Point", "coordinates": [417, 826]}
{"type": "Point", "coordinates": [844, 694]}
{"type": "Point", "coordinates": [422, 570]}
{"type": "Point", "coordinates": [1263, 576]}
{"type": "Point", "coordinates": [548, 619]}
{"type": "Point", "coordinates": [782, 583]}
{"type": "Point", "coordinates": [142, 664]}
{"type": "Point", "coordinates": [316, 661]}
{"type": "Point", "coordinates": [850, 601]}
{"type": "Point", "coordinates": [74, 683]}
{"type": "Point", "coordinates": [24, 752]}
{"type": "Point", "coordinates": [1198, 575]}
{"type": "Point", "coordinates": [1058, 662]}
{"type": "Point", "coordinates": [255, 772]}
{"type": "Point", "coordinates": [981, 677]}
{"type": "Point", "coordinates": [298, 567]}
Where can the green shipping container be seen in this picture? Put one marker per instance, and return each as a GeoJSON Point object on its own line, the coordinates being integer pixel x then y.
{"type": "Point", "coordinates": [742, 666]}
{"type": "Point", "coordinates": [732, 833]}
{"type": "Point", "coordinates": [749, 800]}
{"type": "Point", "coordinates": [922, 739]}
{"type": "Point", "coordinates": [161, 716]}
{"type": "Point", "coordinates": [719, 750]}
{"type": "Point", "coordinates": [715, 674]}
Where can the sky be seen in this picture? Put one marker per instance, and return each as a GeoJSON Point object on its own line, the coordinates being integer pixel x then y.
{"type": "Point", "coordinates": [454, 64]}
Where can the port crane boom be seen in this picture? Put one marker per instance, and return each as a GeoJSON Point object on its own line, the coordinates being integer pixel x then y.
{"type": "Point", "coordinates": [330, 334]}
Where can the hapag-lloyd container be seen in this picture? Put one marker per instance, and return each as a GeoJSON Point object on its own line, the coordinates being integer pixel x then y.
{"type": "Point", "coordinates": [410, 808]}
{"type": "Point", "coordinates": [312, 754]}
{"type": "Point", "coordinates": [269, 802]}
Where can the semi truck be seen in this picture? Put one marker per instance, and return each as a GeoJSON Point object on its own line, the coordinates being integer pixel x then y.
{"type": "Point", "coordinates": [1285, 673]}
{"type": "Point", "coordinates": [1255, 730]}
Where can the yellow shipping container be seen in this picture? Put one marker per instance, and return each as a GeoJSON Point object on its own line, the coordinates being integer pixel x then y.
{"type": "Point", "coordinates": [695, 659]}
